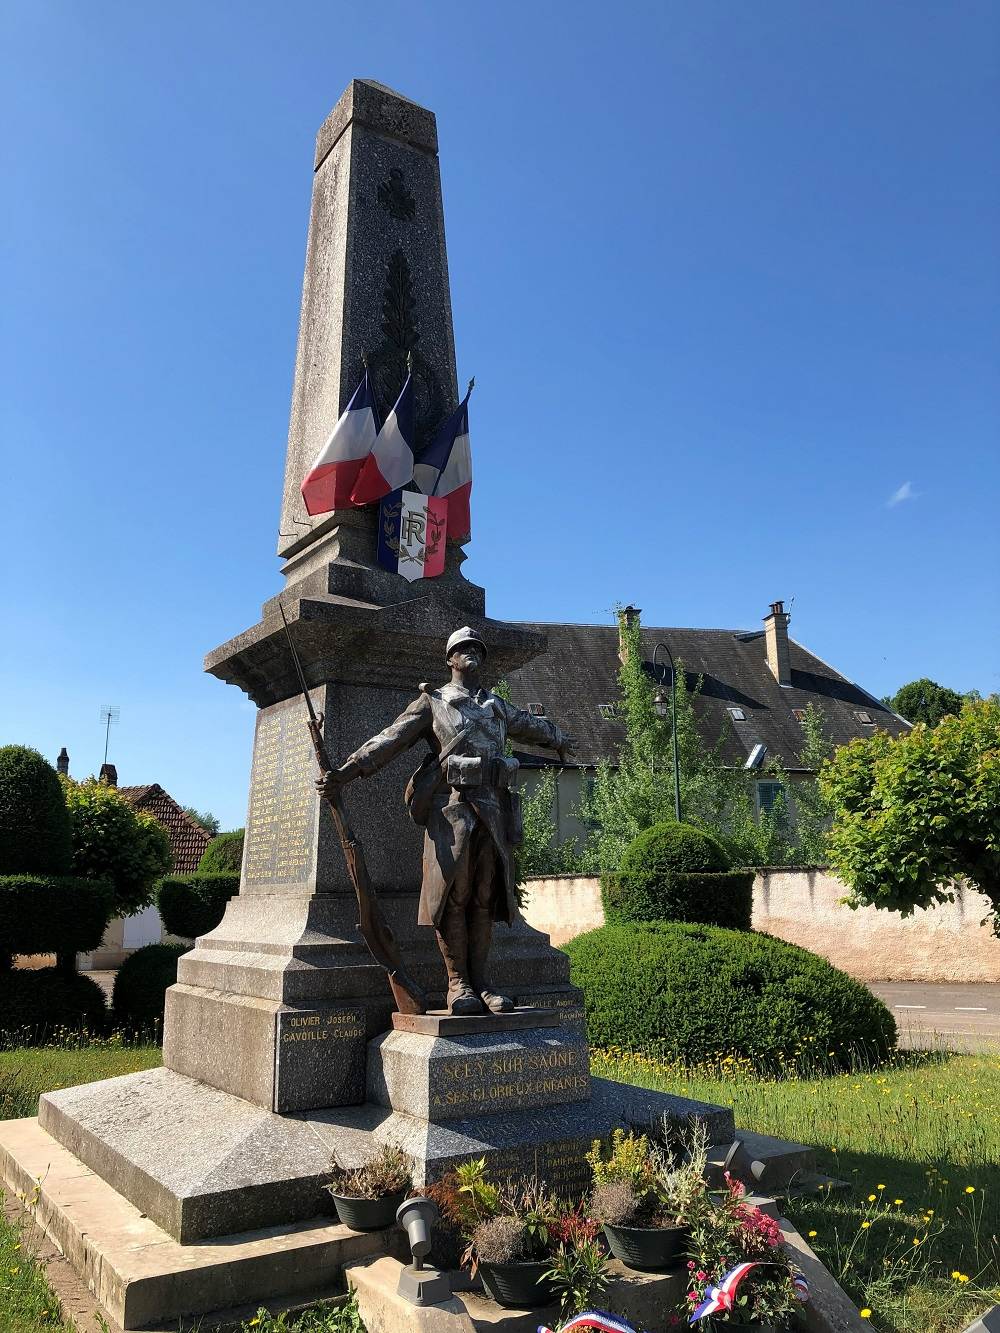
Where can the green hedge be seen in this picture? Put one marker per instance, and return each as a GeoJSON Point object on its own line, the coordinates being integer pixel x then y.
{"type": "Point", "coordinates": [676, 872]}
{"type": "Point", "coordinates": [35, 837]}
{"type": "Point", "coordinates": [192, 905]}
{"type": "Point", "coordinates": [223, 855]}
{"type": "Point", "coordinates": [53, 913]}
{"type": "Point", "coordinates": [141, 983]}
{"type": "Point", "coordinates": [33, 1003]}
{"type": "Point", "coordinates": [721, 899]}
{"type": "Point", "coordinates": [696, 993]}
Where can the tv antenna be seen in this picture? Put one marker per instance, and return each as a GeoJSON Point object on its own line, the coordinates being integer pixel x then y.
{"type": "Point", "coordinates": [110, 713]}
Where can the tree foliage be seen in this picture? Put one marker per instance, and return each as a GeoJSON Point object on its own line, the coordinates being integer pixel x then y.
{"type": "Point", "coordinates": [925, 701]}
{"type": "Point", "coordinates": [224, 854]}
{"type": "Point", "coordinates": [113, 841]}
{"type": "Point", "coordinates": [35, 836]}
{"type": "Point", "coordinates": [915, 812]}
{"type": "Point", "coordinates": [208, 821]}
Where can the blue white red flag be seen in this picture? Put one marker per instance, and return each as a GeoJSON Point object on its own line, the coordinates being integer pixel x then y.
{"type": "Point", "coordinates": [445, 469]}
{"type": "Point", "coordinates": [722, 1297]}
{"type": "Point", "coordinates": [330, 480]}
{"type": "Point", "coordinates": [598, 1319]}
{"type": "Point", "coordinates": [389, 466]}
{"type": "Point", "coordinates": [411, 534]}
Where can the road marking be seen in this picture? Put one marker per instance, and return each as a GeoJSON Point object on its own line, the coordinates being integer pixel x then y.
{"type": "Point", "coordinates": [971, 1009]}
{"type": "Point", "coordinates": [910, 1006]}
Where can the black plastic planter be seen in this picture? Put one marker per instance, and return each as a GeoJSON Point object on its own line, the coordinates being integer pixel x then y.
{"type": "Point", "coordinates": [368, 1214]}
{"type": "Point", "coordinates": [518, 1286]}
{"type": "Point", "coordinates": [649, 1249]}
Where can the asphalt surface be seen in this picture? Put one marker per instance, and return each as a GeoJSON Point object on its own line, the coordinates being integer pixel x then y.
{"type": "Point", "coordinates": [950, 1017]}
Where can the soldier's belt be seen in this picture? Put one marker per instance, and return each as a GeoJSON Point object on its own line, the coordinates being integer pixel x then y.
{"type": "Point", "coordinates": [480, 771]}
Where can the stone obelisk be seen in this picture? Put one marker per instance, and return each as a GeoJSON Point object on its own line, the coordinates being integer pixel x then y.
{"type": "Point", "coordinates": [276, 1046]}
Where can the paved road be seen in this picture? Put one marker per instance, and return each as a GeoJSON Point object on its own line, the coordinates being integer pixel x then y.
{"type": "Point", "coordinates": [952, 1017]}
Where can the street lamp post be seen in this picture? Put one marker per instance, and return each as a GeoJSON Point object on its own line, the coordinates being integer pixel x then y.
{"type": "Point", "coordinates": [661, 704]}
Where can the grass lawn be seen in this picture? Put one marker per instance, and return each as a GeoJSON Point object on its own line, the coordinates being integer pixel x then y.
{"type": "Point", "coordinates": [919, 1142]}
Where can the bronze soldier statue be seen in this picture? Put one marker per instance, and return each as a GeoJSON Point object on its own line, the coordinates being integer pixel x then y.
{"type": "Point", "coordinates": [463, 794]}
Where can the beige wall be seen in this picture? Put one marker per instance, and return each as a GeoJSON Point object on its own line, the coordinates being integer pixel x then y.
{"type": "Point", "coordinates": [945, 943]}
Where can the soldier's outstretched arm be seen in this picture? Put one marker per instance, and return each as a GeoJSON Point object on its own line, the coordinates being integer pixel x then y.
{"type": "Point", "coordinates": [411, 725]}
{"type": "Point", "coordinates": [524, 726]}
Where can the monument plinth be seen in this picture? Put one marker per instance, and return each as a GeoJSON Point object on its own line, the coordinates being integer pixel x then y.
{"type": "Point", "coordinates": [280, 1046]}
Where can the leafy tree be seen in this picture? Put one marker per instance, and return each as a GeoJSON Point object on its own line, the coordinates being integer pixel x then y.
{"type": "Point", "coordinates": [924, 701]}
{"type": "Point", "coordinates": [915, 812]}
{"type": "Point", "coordinates": [114, 842]}
{"type": "Point", "coordinates": [205, 818]}
{"type": "Point", "coordinates": [541, 852]}
{"type": "Point", "coordinates": [34, 827]}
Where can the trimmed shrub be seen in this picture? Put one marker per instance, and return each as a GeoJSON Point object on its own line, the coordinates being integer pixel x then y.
{"type": "Point", "coordinates": [35, 837]}
{"type": "Point", "coordinates": [114, 842]}
{"type": "Point", "coordinates": [676, 872]}
{"type": "Point", "coordinates": [223, 855]}
{"type": "Point", "coordinates": [697, 993]}
{"type": "Point", "coordinates": [192, 905]}
{"type": "Point", "coordinates": [53, 913]}
{"type": "Point", "coordinates": [33, 1003]}
{"type": "Point", "coordinates": [141, 983]}
{"type": "Point", "coordinates": [724, 898]}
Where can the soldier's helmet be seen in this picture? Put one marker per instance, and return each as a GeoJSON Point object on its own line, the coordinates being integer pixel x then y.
{"type": "Point", "coordinates": [464, 635]}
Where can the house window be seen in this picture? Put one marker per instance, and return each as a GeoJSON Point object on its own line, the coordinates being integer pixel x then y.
{"type": "Point", "coordinates": [536, 710]}
{"type": "Point", "coordinates": [866, 718]}
{"type": "Point", "coordinates": [737, 714]}
{"type": "Point", "coordinates": [767, 794]}
{"type": "Point", "coordinates": [608, 711]}
{"type": "Point", "coordinates": [799, 714]}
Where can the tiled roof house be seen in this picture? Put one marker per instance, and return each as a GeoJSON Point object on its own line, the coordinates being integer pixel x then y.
{"type": "Point", "coordinates": [755, 684]}
{"type": "Point", "coordinates": [188, 839]}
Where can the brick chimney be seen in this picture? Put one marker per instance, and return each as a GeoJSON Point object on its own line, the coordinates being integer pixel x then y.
{"type": "Point", "coordinates": [627, 617]}
{"type": "Point", "coordinates": [62, 763]}
{"type": "Point", "coordinates": [108, 774]}
{"type": "Point", "coordinates": [776, 639]}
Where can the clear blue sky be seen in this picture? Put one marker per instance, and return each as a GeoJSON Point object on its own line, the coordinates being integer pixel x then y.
{"type": "Point", "coordinates": [727, 275]}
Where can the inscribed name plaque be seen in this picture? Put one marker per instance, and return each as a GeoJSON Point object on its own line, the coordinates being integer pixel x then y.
{"type": "Point", "coordinates": [455, 1078]}
{"type": "Point", "coordinates": [283, 809]}
{"type": "Point", "coordinates": [319, 1058]}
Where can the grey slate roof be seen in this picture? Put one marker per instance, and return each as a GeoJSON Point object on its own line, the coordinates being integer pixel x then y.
{"type": "Point", "coordinates": [579, 672]}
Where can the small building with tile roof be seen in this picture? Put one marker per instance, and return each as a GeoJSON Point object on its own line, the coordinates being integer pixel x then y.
{"type": "Point", "coordinates": [188, 839]}
{"type": "Point", "coordinates": [755, 686]}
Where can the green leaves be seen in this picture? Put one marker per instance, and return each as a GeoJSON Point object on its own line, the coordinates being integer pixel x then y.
{"type": "Point", "coordinates": [915, 813]}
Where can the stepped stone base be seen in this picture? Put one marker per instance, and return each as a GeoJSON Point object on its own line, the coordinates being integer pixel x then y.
{"type": "Point", "coordinates": [143, 1277]}
{"type": "Point", "coordinates": [202, 1163]}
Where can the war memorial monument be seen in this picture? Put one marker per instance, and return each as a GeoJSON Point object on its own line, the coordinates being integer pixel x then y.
{"type": "Point", "coordinates": [198, 1186]}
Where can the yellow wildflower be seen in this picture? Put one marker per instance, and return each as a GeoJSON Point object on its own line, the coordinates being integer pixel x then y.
{"type": "Point", "coordinates": [880, 1187]}
{"type": "Point", "coordinates": [970, 1189]}
{"type": "Point", "coordinates": [871, 1198]}
{"type": "Point", "coordinates": [897, 1202]}
{"type": "Point", "coordinates": [811, 1234]}
{"type": "Point", "coordinates": [866, 1313]}
{"type": "Point", "coordinates": [865, 1226]}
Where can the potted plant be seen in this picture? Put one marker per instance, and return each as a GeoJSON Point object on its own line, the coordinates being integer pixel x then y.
{"type": "Point", "coordinates": [368, 1195]}
{"type": "Point", "coordinates": [739, 1272]}
{"type": "Point", "coordinates": [647, 1195]}
{"type": "Point", "coordinates": [512, 1250]}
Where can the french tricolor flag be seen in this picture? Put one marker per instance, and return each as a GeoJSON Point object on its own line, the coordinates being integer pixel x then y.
{"type": "Point", "coordinates": [444, 469]}
{"type": "Point", "coordinates": [389, 466]}
{"type": "Point", "coordinates": [721, 1298]}
{"type": "Point", "coordinates": [331, 478]}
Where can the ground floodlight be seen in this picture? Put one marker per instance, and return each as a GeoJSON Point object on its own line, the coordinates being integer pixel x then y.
{"type": "Point", "coordinates": [417, 1284]}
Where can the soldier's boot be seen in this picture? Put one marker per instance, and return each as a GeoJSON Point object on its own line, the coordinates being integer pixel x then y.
{"type": "Point", "coordinates": [480, 934]}
{"type": "Point", "coordinates": [453, 941]}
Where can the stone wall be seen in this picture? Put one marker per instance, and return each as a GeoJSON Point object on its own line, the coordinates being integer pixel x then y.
{"type": "Point", "coordinates": [945, 943]}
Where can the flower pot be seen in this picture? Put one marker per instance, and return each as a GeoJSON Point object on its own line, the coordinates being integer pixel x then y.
{"type": "Point", "coordinates": [367, 1214]}
{"type": "Point", "coordinates": [518, 1286]}
{"type": "Point", "coordinates": [649, 1249]}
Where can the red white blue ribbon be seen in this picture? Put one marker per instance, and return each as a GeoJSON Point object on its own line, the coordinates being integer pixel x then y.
{"type": "Point", "coordinates": [596, 1319]}
{"type": "Point", "coordinates": [722, 1298]}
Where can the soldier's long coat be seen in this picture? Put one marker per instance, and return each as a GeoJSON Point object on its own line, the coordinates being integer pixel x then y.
{"type": "Point", "coordinates": [436, 717]}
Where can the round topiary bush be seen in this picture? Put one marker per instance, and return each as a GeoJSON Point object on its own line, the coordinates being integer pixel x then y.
{"type": "Point", "coordinates": [35, 835]}
{"type": "Point", "coordinates": [141, 983]}
{"type": "Point", "coordinates": [53, 913]}
{"type": "Point", "coordinates": [32, 1004]}
{"type": "Point", "coordinates": [192, 905]}
{"type": "Point", "coordinates": [223, 855]}
{"type": "Point", "coordinates": [676, 872]}
{"type": "Point", "coordinates": [697, 993]}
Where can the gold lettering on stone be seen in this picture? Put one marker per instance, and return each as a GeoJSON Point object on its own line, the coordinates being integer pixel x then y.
{"type": "Point", "coordinates": [282, 812]}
